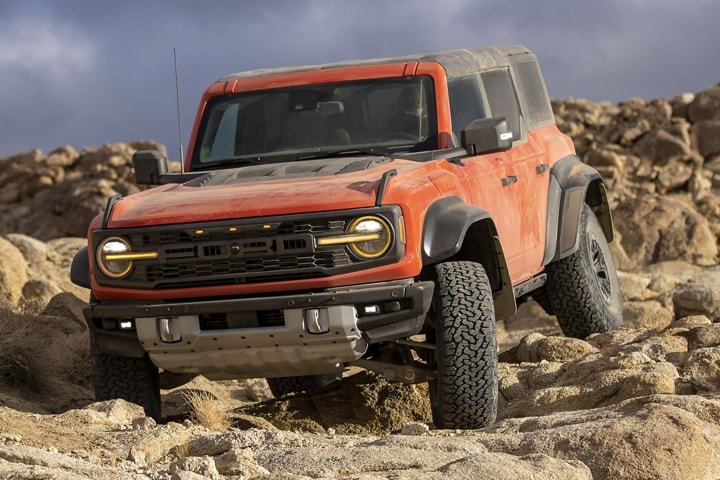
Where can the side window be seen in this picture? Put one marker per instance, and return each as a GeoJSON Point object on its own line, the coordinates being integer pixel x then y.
{"type": "Point", "coordinates": [535, 100]}
{"type": "Point", "coordinates": [466, 102]}
{"type": "Point", "coordinates": [501, 98]}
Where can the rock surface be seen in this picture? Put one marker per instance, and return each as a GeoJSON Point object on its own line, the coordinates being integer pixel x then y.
{"type": "Point", "coordinates": [639, 403]}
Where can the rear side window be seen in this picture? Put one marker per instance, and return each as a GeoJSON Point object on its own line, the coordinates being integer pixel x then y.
{"type": "Point", "coordinates": [538, 111]}
{"type": "Point", "coordinates": [466, 102]}
{"type": "Point", "coordinates": [501, 98]}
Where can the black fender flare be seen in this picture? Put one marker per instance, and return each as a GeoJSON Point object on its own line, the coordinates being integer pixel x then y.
{"type": "Point", "coordinates": [455, 229]}
{"type": "Point", "coordinates": [447, 220]}
{"type": "Point", "coordinates": [80, 268]}
{"type": "Point", "coordinates": [573, 183]}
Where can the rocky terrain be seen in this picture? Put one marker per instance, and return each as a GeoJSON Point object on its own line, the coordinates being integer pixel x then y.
{"type": "Point", "coordinates": [639, 403]}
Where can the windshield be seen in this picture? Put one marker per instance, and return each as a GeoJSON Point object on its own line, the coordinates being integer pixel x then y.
{"type": "Point", "coordinates": [382, 116]}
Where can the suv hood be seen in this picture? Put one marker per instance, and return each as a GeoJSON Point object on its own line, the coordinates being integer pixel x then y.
{"type": "Point", "coordinates": [260, 190]}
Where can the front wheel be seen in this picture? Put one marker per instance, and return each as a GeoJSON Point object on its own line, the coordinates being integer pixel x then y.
{"type": "Point", "coordinates": [133, 379]}
{"type": "Point", "coordinates": [583, 288]}
{"type": "Point", "coordinates": [462, 321]}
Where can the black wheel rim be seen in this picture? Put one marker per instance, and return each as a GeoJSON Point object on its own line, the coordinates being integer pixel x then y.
{"type": "Point", "coordinates": [599, 266]}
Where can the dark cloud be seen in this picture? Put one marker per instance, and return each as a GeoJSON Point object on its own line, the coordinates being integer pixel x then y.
{"type": "Point", "coordinates": [87, 73]}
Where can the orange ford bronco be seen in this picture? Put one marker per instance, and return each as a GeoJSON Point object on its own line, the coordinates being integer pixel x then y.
{"type": "Point", "coordinates": [381, 214]}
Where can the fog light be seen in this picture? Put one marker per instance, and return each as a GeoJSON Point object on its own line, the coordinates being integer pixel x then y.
{"type": "Point", "coordinates": [126, 324]}
{"type": "Point", "coordinates": [371, 309]}
{"type": "Point", "coordinates": [169, 329]}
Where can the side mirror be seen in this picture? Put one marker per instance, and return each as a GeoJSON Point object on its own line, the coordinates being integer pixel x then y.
{"type": "Point", "coordinates": [330, 108]}
{"type": "Point", "coordinates": [149, 165]}
{"type": "Point", "coordinates": [486, 135]}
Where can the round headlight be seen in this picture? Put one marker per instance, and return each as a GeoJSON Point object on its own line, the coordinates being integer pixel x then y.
{"type": "Point", "coordinates": [109, 257]}
{"type": "Point", "coordinates": [375, 237]}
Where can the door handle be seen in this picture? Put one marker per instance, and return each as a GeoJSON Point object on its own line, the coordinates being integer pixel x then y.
{"type": "Point", "coordinates": [509, 180]}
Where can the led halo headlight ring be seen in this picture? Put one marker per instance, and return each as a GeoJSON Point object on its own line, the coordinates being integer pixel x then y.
{"type": "Point", "coordinates": [380, 235]}
{"type": "Point", "coordinates": [109, 256]}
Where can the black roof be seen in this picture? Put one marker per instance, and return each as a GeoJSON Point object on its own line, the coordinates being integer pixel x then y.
{"type": "Point", "coordinates": [455, 62]}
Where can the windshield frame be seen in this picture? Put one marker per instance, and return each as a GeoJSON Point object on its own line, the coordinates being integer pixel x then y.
{"type": "Point", "coordinates": [300, 110]}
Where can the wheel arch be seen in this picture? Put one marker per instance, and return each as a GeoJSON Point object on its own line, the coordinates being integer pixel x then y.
{"type": "Point", "coordinates": [573, 183]}
{"type": "Point", "coordinates": [454, 230]}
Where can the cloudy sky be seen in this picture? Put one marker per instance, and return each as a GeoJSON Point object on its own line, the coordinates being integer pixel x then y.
{"type": "Point", "coordinates": [89, 72]}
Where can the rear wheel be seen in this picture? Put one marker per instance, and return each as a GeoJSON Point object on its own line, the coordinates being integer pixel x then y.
{"type": "Point", "coordinates": [583, 288]}
{"type": "Point", "coordinates": [133, 379]}
{"type": "Point", "coordinates": [280, 386]}
{"type": "Point", "coordinates": [462, 322]}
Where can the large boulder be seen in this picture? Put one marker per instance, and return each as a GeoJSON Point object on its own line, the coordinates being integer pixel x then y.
{"type": "Point", "coordinates": [654, 228]}
{"type": "Point", "coordinates": [13, 273]}
{"type": "Point", "coordinates": [35, 271]}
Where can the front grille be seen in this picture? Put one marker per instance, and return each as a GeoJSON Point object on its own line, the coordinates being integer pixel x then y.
{"type": "Point", "coordinates": [227, 253]}
{"type": "Point", "coordinates": [241, 268]}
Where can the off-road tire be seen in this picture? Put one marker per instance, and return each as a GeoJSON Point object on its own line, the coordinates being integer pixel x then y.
{"type": "Point", "coordinates": [462, 322]}
{"type": "Point", "coordinates": [583, 288]}
{"type": "Point", "coordinates": [280, 386]}
{"type": "Point", "coordinates": [133, 379]}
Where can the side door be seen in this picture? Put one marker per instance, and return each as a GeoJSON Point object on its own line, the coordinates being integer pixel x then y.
{"type": "Point", "coordinates": [491, 179]}
{"type": "Point", "coordinates": [533, 158]}
{"type": "Point", "coordinates": [528, 181]}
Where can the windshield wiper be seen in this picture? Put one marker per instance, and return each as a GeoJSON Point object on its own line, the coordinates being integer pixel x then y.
{"type": "Point", "coordinates": [375, 152]}
{"type": "Point", "coordinates": [229, 162]}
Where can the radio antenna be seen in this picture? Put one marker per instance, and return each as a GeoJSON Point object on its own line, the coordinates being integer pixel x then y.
{"type": "Point", "coordinates": [177, 101]}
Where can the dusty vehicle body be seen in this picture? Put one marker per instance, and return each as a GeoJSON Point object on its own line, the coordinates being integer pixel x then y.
{"type": "Point", "coordinates": [379, 213]}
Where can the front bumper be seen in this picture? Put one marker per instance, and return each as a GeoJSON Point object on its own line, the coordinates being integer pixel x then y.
{"type": "Point", "coordinates": [311, 333]}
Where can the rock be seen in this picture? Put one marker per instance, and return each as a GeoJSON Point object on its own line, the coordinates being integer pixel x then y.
{"type": "Point", "coordinates": [537, 348]}
{"type": "Point", "coordinates": [705, 335]}
{"type": "Point", "coordinates": [33, 272]}
{"type": "Point", "coordinates": [700, 295]}
{"type": "Point", "coordinates": [34, 250]}
{"type": "Point", "coordinates": [13, 273]}
{"type": "Point", "coordinates": [25, 462]}
{"type": "Point", "coordinates": [115, 412]}
{"type": "Point", "coordinates": [646, 314]}
{"type": "Point", "coordinates": [656, 229]}
{"type": "Point", "coordinates": [614, 368]}
{"type": "Point", "coordinates": [634, 286]}
{"type": "Point", "coordinates": [39, 293]}
{"type": "Point", "coordinates": [702, 369]}
{"type": "Point", "coordinates": [662, 147]}
{"type": "Point", "coordinates": [199, 468]}
{"type": "Point", "coordinates": [667, 275]}
{"type": "Point", "coordinates": [684, 429]}
{"type": "Point", "coordinates": [240, 463]}
{"type": "Point", "coordinates": [705, 105]}
{"type": "Point", "coordinates": [36, 191]}
{"type": "Point", "coordinates": [66, 305]}
{"type": "Point", "coordinates": [673, 178]}
{"type": "Point", "coordinates": [707, 134]}
{"type": "Point", "coordinates": [680, 104]}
